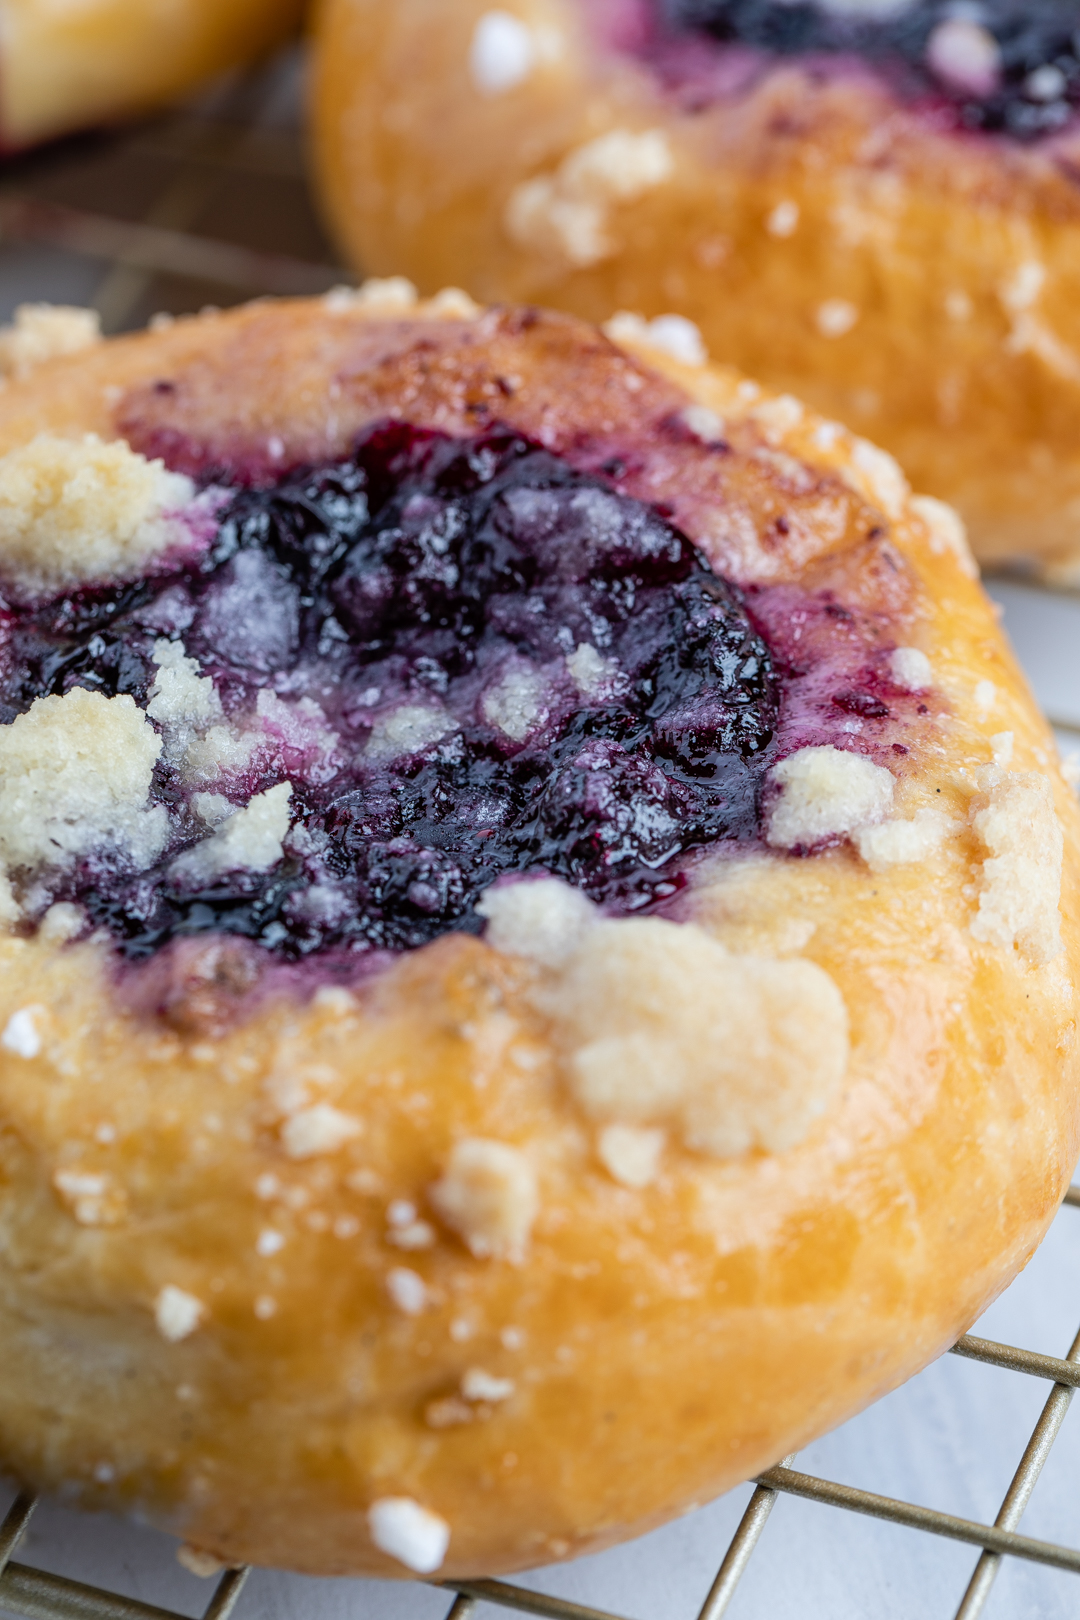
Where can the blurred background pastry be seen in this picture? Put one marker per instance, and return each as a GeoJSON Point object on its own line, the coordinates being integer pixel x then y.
{"type": "Point", "coordinates": [72, 64]}
{"type": "Point", "coordinates": [873, 205]}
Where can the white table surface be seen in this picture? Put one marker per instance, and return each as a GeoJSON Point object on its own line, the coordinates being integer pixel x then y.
{"type": "Point", "coordinates": [950, 1439]}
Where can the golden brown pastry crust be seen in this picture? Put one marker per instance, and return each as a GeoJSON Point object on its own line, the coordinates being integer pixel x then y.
{"type": "Point", "coordinates": [662, 1343]}
{"type": "Point", "coordinates": [66, 67]}
{"type": "Point", "coordinates": [919, 286]}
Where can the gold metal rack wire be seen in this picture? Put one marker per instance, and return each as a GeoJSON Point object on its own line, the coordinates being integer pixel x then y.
{"type": "Point", "coordinates": [210, 204]}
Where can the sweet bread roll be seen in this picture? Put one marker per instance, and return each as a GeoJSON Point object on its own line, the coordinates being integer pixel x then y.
{"type": "Point", "coordinates": [874, 206]}
{"type": "Point", "coordinates": [540, 933]}
{"type": "Point", "coordinates": [65, 67]}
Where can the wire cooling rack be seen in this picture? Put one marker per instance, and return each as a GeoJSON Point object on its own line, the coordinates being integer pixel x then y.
{"type": "Point", "coordinates": [210, 205]}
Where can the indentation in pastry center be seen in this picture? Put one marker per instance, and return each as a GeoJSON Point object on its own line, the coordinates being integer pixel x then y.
{"type": "Point", "coordinates": [1010, 65]}
{"type": "Point", "coordinates": [387, 683]}
{"type": "Point", "coordinates": [380, 686]}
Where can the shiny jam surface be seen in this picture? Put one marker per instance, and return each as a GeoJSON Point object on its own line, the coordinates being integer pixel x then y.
{"type": "Point", "coordinates": [1009, 66]}
{"type": "Point", "coordinates": [470, 661]}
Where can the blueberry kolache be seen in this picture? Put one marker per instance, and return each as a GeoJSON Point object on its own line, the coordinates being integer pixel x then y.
{"type": "Point", "coordinates": [874, 204]}
{"type": "Point", "coordinates": [539, 932]}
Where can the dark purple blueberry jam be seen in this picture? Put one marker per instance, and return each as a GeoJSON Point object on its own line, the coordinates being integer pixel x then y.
{"type": "Point", "coordinates": [1034, 90]}
{"type": "Point", "coordinates": [458, 581]}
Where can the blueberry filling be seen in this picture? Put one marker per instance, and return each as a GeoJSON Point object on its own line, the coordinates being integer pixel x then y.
{"type": "Point", "coordinates": [1001, 65]}
{"type": "Point", "coordinates": [469, 660]}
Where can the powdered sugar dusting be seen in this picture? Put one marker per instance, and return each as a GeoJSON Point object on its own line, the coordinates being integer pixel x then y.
{"type": "Point", "coordinates": [409, 1533]}
{"type": "Point", "coordinates": [21, 1034]}
{"type": "Point", "coordinates": [177, 1313]}
{"type": "Point", "coordinates": [501, 54]}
